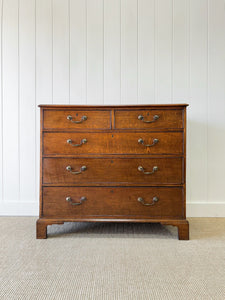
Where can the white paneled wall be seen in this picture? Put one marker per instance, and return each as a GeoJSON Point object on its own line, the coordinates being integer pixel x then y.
{"type": "Point", "coordinates": [112, 52]}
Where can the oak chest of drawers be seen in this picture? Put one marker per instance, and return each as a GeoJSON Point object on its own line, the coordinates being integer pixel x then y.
{"type": "Point", "coordinates": [113, 164]}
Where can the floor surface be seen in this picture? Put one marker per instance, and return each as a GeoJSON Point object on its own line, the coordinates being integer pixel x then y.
{"type": "Point", "coordinates": [112, 261]}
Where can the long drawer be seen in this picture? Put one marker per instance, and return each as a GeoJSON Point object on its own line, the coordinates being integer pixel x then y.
{"type": "Point", "coordinates": [111, 171]}
{"type": "Point", "coordinates": [65, 202]}
{"type": "Point", "coordinates": [112, 143]}
{"type": "Point", "coordinates": [148, 119]}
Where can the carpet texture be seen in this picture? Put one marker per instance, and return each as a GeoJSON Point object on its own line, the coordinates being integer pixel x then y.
{"type": "Point", "coordinates": [112, 261]}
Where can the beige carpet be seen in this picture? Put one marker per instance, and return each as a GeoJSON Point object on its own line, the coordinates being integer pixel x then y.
{"type": "Point", "coordinates": [112, 261]}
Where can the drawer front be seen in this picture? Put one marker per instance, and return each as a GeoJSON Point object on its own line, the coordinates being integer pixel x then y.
{"type": "Point", "coordinates": [110, 201]}
{"type": "Point", "coordinates": [111, 171]}
{"type": "Point", "coordinates": [148, 119]}
{"type": "Point", "coordinates": [116, 143]}
{"type": "Point", "coordinates": [74, 119]}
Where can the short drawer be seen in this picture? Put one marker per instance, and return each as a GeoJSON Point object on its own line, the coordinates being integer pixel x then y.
{"type": "Point", "coordinates": [112, 171]}
{"type": "Point", "coordinates": [69, 202]}
{"type": "Point", "coordinates": [76, 119]}
{"type": "Point", "coordinates": [113, 143]}
{"type": "Point", "coordinates": [148, 119]}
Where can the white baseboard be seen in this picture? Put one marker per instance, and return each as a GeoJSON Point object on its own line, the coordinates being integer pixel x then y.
{"type": "Point", "coordinates": [193, 209]}
{"type": "Point", "coordinates": [205, 210]}
{"type": "Point", "coordinates": [19, 209]}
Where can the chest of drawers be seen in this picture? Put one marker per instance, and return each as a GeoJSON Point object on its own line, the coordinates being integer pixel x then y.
{"type": "Point", "coordinates": [113, 164]}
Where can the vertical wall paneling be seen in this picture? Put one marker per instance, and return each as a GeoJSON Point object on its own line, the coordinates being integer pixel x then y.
{"type": "Point", "coordinates": [95, 53]}
{"type": "Point", "coordinates": [129, 50]}
{"type": "Point", "coordinates": [27, 99]}
{"type": "Point", "coordinates": [216, 101]}
{"type": "Point", "coordinates": [112, 51]}
{"type": "Point", "coordinates": [188, 144]}
{"type": "Point", "coordinates": [43, 63]}
{"type": "Point", "coordinates": [78, 51]}
{"type": "Point", "coordinates": [1, 107]}
{"type": "Point", "coordinates": [61, 72]}
{"type": "Point", "coordinates": [146, 51]}
{"type": "Point", "coordinates": [10, 42]}
{"type": "Point", "coordinates": [198, 99]}
{"type": "Point", "coordinates": [179, 55]}
{"type": "Point", "coordinates": [180, 66]}
{"type": "Point", "coordinates": [44, 51]}
{"type": "Point", "coordinates": [164, 39]}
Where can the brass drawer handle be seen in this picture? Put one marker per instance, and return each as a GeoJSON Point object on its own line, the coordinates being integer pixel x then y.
{"type": "Point", "coordinates": [82, 169]}
{"type": "Point", "coordinates": [82, 199]}
{"type": "Point", "coordinates": [70, 118]}
{"type": "Point", "coordinates": [141, 141]}
{"type": "Point", "coordinates": [142, 201]}
{"type": "Point", "coordinates": [155, 118]}
{"type": "Point", "coordinates": [154, 169]}
{"type": "Point", "coordinates": [83, 141]}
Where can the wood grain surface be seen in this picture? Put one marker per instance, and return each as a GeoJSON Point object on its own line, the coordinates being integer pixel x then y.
{"type": "Point", "coordinates": [111, 171]}
{"type": "Point", "coordinates": [113, 201]}
{"type": "Point", "coordinates": [129, 169]}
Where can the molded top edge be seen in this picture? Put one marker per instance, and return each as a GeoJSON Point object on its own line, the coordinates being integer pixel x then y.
{"type": "Point", "coordinates": [112, 106]}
